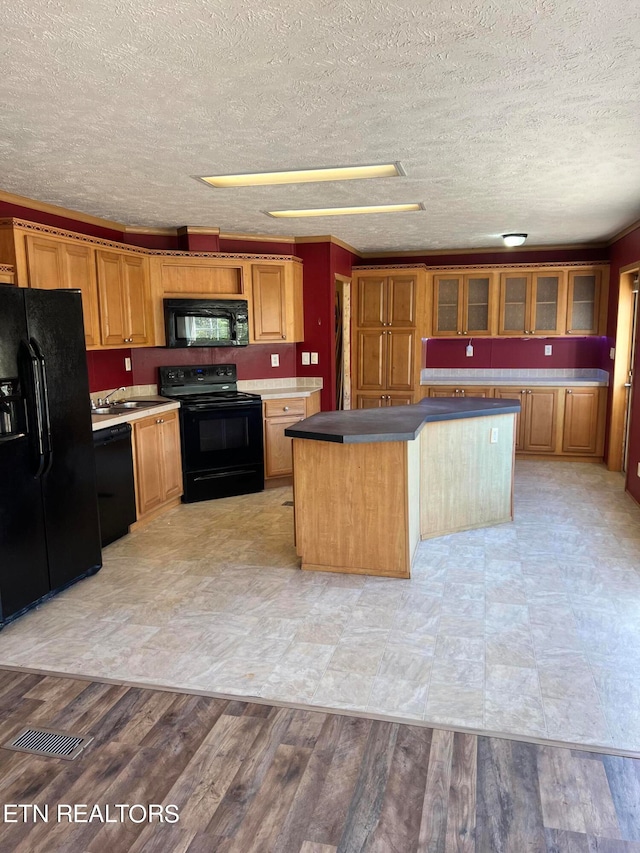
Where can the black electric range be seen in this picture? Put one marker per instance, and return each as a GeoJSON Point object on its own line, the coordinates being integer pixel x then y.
{"type": "Point", "coordinates": [221, 431]}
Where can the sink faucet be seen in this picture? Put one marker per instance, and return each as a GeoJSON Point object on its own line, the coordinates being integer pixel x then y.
{"type": "Point", "coordinates": [102, 401]}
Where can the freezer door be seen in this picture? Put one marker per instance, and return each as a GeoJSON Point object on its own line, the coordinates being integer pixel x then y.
{"type": "Point", "coordinates": [55, 331]}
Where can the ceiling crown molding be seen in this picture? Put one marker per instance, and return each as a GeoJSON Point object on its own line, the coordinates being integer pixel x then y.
{"type": "Point", "coordinates": [56, 210]}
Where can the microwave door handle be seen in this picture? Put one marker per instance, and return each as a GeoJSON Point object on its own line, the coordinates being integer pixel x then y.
{"type": "Point", "coordinates": [45, 405]}
{"type": "Point", "coordinates": [233, 326]}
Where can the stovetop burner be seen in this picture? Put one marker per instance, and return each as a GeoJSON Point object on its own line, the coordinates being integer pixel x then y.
{"type": "Point", "coordinates": [211, 384]}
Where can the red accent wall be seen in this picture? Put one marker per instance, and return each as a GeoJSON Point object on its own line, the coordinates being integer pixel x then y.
{"type": "Point", "coordinates": [504, 256]}
{"type": "Point", "coordinates": [152, 241]}
{"type": "Point", "coordinates": [17, 211]}
{"type": "Point", "coordinates": [254, 247]}
{"type": "Point", "coordinates": [106, 369]}
{"type": "Point", "coordinates": [624, 252]}
{"type": "Point", "coordinates": [514, 353]}
{"type": "Point", "coordinates": [254, 361]}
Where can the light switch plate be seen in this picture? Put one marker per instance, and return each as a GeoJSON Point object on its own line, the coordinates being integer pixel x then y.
{"type": "Point", "coordinates": [127, 364]}
{"type": "Point", "coordinates": [494, 435]}
{"type": "Point", "coordinates": [548, 349]}
{"type": "Point", "coordinates": [314, 358]}
{"type": "Point", "coordinates": [306, 358]}
{"type": "Point", "coordinates": [275, 359]}
{"type": "Point", "coordinates": [612, 353]}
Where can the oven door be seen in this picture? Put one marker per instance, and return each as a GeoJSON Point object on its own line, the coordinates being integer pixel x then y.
{"type": "Point", "coordinates": [221, 437]}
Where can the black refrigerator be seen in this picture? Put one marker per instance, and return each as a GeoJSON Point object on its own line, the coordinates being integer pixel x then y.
{"type": "Point", "coordinates": [49, 529]}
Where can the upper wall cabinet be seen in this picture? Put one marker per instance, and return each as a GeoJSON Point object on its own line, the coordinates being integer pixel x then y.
{"type": "Point", "coordinates": [125, 302]}
{"type": "Point", "coordinates": [206, 277]}
{"type": "Point", "coordinates": [277, 302]}
{"type": "Point", "coordinates": [532, 303]}
{"type": "Point", "coordinates": [464, 305]}
{"type": "Point", "coordinates": [388, 300]}
{"type": "Point", "coordinates": [584, 303]}
{"type": "Point", "coordinates": [55, 263]}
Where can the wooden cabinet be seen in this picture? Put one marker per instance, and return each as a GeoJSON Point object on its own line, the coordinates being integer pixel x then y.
{"type": "Point", "coordinates": [385, 360]}
{"type": "Point", "coordinates": [464, 304]}
{"type": "Point", "coordinates": [584, 303]}
{"type": "Point", "coordinates": [584, 413]}
{"type": "Point", "coordinates": [278, 415]}
{"type": "Point", "coordinates": [57, 263]}
{"type": "Point", "coordinates": [532, 303]}
{"type": "Point", "coordinates": [277, 302]}
{"type": "Point", "coordinates": [378, 401]}
{"type": "Point", "coordinates": [460, 391]}
{"type": "Point", "coordinates": [203, 278]}
{"type": "Point", "coordinates": [388, 300]}
{"type": "Point", "coordinates": [537, 424]}
{"type": "Point", "coordinates": [158, 464]}
{"type": "Point", "coordinates": [123, 290]}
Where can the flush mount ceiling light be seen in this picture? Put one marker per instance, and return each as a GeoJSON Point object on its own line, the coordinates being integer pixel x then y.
{"type": "Point", "coordinates": [347, 211]}
{"type": "Point", "coordinates": [305, 176]}
{"type": "Point", "coordinates": [514, 239]}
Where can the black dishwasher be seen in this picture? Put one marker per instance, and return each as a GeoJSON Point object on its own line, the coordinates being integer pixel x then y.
{"type": "Point", "coordinates": [114, 475]}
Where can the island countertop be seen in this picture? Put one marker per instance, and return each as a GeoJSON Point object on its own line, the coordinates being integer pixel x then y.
{"type": "Point", "coordinates": [395, 423]}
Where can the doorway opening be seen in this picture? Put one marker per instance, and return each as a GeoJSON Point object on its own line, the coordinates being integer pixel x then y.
{"type": "Point", "coordinates": [342, 337]}
{"type": "Point", "coordinates": [622, 376]}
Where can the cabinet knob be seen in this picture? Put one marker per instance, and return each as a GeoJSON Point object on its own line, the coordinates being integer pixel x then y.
{"type": "Point", "coordinates": [459, 332]}
{"type": "Point", "coordinates": [569, 391]}
{"type": "Point", "coordinates": [159, 420]}
{"type": "Point", "coordinates": [523, 391]}
{"type": "Point", "coordinates": [528, 392]}
{"type": "Point", "coordinates": [285, 408]}
{"type": "Point", "coordinates": [465, 332]}
{"type": "Point", "coordinates": [569, 331]}
{"type": "Point", "coordinates": [284, 337]}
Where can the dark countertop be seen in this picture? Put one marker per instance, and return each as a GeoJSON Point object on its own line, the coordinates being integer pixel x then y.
{"type": "Point", "coordinates": [395, 423]}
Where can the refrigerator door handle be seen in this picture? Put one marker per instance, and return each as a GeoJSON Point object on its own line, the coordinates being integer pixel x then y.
{"type": "Point", "coordinates": [34, 367]}
{"type": "Point", "coordinates": [45, 406]}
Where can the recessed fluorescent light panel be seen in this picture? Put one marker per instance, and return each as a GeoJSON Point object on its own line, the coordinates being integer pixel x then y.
{"type": "Point", "coordinates": [347, 211]}
{"type": "Point", "coordinates": [306, 176]}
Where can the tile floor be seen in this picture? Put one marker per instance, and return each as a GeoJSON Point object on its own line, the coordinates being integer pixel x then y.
{"type": "Point", "coordinates": [530, 628]}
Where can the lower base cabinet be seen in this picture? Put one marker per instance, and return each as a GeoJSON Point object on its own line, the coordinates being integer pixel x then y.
{"type": "Point", "coordinates": [278, 415]}
{"type": "Point", "coordinates": [560, 421]}
{"type": "Point", "coordinates": [378, 401]}
{"type": "Point", "coordinates": [158, 464]}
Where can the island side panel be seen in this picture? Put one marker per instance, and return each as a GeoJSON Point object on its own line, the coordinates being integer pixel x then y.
{"type": "Point", "coordinates": [465, 480]}
{"type": "Point", "coordinates": [351, 507]}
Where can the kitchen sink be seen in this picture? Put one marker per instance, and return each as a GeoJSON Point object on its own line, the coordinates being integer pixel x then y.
{"type": "Point", "coordinates": [126, 406]}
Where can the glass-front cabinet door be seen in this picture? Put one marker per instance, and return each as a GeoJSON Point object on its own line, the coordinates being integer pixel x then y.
{"type": "Point", "coordinates": [476, 318]}
{"type": "Point", "coordinates": [514, 298]}
{"type": "Point", "coordinates": [547, 303]}
{"type": "Point", "coordinates": [448, 305]}
{"type": "Point", "coordinates": [583, 304]}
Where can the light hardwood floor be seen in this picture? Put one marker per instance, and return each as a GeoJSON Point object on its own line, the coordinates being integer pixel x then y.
{"type": "Point", "coordinates": [254, 778]}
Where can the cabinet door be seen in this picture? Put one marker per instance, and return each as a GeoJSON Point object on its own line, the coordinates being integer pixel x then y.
{"type": "Point", "coordinates": [443, 391]}
{"type": "Point", "coordinates": [400, 356]}
{"type": "Point", "coordinates": [476, 314]}
{"type": "Point", "coordinates": [269, 303]}
{"type": "Point", "coordinates": [113, 311]}
{"type": "Point", "coordinates": [135, 296]}
{"type": "Point", "coordinates": [171, 457]}
{"type": "Point", "coordinates": [581, 421]}
{"type": "Point", "coordinates": [401, 300]}
{"type": "Point", "coordinates": [541, 419]}
{"type": "Point", "coordinates": [475, 391]}
{"type": "Point", "coordinates": [447, 302]}
{"type": "Point", "coordinates": [372, 360]}
{"type": "Point", "coordinates": [515, 394]}
{"type": "Point", "coordinates": [277, 456]}
{"type": "Point", "coordinates": [370, 401]}
{"type": "Point", "coordinates": [399, 399]}
{"type": "Point", "coordinates": [583, 303]}
{"type": "Point", "coordinates": [372, 309]}
{"type": "Point", "coordinates": [514, 303]}
{"type": "Point", "coordinates": [149, 476]}
{"type": "Point", "coordinates": [59, 264]}
{"type": "Point", "coordinates": [547, 304]}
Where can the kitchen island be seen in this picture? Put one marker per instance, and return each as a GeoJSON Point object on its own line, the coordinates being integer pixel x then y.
{"type": "Point", "coordinates": [369, 484]}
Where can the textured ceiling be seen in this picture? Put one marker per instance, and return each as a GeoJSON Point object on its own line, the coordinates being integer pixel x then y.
{"type": "Point", "coordinates": [506, 115]}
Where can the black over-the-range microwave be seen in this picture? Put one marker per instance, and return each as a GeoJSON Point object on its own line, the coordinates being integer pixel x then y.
{"type": "Point", "coordinates": [206, 322]}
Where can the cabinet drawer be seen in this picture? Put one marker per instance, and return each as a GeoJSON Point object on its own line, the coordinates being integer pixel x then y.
{"type": "Point", "coordinates": [285, 406]}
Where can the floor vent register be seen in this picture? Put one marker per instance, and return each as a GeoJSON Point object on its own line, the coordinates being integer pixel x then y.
{"type": "Point", "coordinates": [48, 742]}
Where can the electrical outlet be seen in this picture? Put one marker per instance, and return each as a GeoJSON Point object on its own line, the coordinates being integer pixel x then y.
{"type": "Point", "coordinates": [638, 469]}
{"type": "Point", "coordinates": [275, 359]}
{"type": "Point", "coordinates": [314, 358]}
{"type": "Point", "coordinates": [548, 349]}
{"type": "Point", "coordinates": [612, 353]}
{"type": "Point", "coordinates": [127, 364]}
{"type": "Point", "coordinates": [494, 435]}
{"type": "Point", "coordinates": [306, 358]}
{"type": "Point", "coordinates": [469, 350]}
